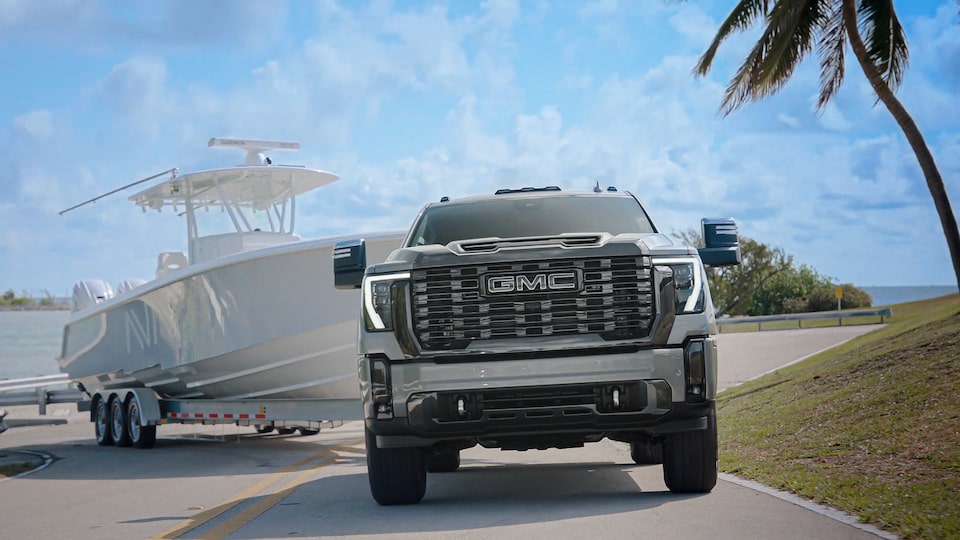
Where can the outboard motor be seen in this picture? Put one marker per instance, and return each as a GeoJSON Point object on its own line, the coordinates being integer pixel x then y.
{"type": "Point", "coordinates": [90, 292]}
{"type": "Point", "coordinates": [129, 284]}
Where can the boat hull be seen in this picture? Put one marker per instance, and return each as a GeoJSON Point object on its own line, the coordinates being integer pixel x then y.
{"type": "Point", "coordinates": [260, 324]}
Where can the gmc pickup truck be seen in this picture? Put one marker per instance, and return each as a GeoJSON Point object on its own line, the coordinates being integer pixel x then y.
{"type": "Point", "coordinates": [536, 318]}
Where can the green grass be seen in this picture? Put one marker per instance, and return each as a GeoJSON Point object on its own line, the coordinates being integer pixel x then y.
{"type": "Point", "coordinates": [13, 469]}
{"type": "Point", "coordinates": [871, 427]}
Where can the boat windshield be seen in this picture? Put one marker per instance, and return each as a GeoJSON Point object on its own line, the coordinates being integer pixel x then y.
{"type": "Point", "coordinates": [514, 217]}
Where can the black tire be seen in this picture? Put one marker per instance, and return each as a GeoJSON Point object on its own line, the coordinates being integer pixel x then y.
{"type": "Point", "coordinates": [101, 424]}
{"type": "Point", "coordinates": [286, 430]}
{"type": "Point", "coordinates": [397, 475]}
{"type": "Point", "coordinates": [443, 462]}
{"type": "Point", "coordinates": [118, 423]}
{"type": "Point", "coordinates": [690, 459]}
{"type": "Point", "coordinates": [306, 432]}
{"type": "Point", "coordinates": [263, 428]}
{"type": "Point", "coordinates": [646, 452]}
{"type": "Point", "coordinates": [141, 436]}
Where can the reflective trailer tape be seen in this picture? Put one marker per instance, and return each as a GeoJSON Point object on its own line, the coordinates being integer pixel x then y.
{"type": "Point", "coordinates": [215, 416]}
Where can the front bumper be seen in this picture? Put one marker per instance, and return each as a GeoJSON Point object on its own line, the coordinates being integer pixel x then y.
{"type": "Point", "coordinates": [625, 393]}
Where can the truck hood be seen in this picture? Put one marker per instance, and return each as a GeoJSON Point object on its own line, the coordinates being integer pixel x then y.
{"type": "Point", "coordinates": [506, 250]}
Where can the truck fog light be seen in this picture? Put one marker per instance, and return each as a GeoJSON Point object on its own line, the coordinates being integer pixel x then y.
{"type": "Point", "coordinates": [380, 388]}
{"type": "Point", "coordinates": [695, 368]}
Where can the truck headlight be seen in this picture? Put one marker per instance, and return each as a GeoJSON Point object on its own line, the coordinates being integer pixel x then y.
{"type": "Point", "coordinates": [378, 300]}
{"type": "Point", "coordinates": [687, 283]}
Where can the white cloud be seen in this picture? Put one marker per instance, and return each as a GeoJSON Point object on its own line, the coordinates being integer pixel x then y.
{"type": "Point", "coordinates": [37, 124]}
{"type": "Point", "coordinates": [600, 8]}
{"type": "Point", "coordinates": [788, 120]}
{"type": "Point", "coordinates": [832, 118]}
{"type": "Point", "coordinates": [136, 92]}
{"type": "Point", "coordinates": [175, 24]}
{"type": "Point", "coordinates": [692, 23]}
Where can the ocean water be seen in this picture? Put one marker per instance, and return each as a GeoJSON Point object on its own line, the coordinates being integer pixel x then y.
{"type": "Point", "coordinates": [30, 340]}
{"type": "Point", "coordinates": [887, 296]}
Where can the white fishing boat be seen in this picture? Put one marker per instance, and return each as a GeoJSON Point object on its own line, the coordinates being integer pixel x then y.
{"type": "Point", "coordinates": [251, 313]}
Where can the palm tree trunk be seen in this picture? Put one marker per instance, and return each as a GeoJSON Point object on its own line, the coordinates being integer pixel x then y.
{"type": "Point", "coordinates": [912, 132]}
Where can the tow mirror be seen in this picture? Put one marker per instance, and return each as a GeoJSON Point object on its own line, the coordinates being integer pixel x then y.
{"type": "Point", "coordinates": [349, 263]}
{"type": "Point", "coordinates": [721, 242]}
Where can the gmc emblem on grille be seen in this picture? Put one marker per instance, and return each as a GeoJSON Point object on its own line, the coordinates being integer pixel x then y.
{"type": "Point", "coordinates": [532, 283]}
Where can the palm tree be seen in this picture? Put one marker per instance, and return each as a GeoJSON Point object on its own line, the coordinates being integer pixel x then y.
{"type": "Point", "coordinates": [796, 27]}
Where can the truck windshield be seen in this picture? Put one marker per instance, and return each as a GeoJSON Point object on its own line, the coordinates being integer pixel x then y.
{"type": "Point", "coordinates": [512, 217]}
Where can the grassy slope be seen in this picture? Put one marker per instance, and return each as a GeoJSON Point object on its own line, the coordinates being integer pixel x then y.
{"type": "Point", "coordinates": [871, 427]}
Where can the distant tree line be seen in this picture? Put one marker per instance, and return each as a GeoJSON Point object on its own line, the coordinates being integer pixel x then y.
{"type": "Point", "coordinates": [25, 301]}
{"type": "Point", "coordinates": [767, 282]}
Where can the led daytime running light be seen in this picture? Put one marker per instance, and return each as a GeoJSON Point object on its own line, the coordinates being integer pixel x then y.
{"type": "Point", "coordinates": [368, 296]}
{"type": "Point", "coordinates": [691, 304]}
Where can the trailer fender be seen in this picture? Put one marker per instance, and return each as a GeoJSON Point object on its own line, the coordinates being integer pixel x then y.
{"type": "Point", "coordinates": [147, 400]}
{"type": "Point", "coordinates": [149, 405]}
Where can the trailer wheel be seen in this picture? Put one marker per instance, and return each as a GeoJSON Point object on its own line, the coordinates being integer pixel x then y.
{"type": "Point", "coordinates": [690, 459]}
{"type": "Point", "coordinates": [306, 432]}
{"type": "Point", "coordinates": [286, 430]}
{"type": "Point", "coordinates": [140, 436]}
{"type": "Point", "coordinates": [263, 428]}
{"type": "Point", "coordinates": [397, 475]}
{"type": "Point", "coordinates": [118, 423]}
{"type": "Point", "coordinates": [101, 424]}
{"type": "Point", "coordinates": [442, 462]}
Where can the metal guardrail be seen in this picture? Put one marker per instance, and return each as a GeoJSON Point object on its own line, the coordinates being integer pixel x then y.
{"type": "Point", "coordinates": [800, 317]}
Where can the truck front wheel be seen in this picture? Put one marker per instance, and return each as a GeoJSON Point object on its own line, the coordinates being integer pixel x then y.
{"type": "Point", "coordinates": [690, 459]}
{"type": "Point", "coordinates": [397, 475]}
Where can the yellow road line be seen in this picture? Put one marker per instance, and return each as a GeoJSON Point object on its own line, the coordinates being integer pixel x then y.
{"type": "Point", "coordinates": [211, 513]}
{"type": "Point", "coordinates": [250, 513]}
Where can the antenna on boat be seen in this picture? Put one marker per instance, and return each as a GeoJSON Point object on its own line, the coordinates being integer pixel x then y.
{"type": "Point", "coordinates": [254, 148]}
{"type": "Point", "coordinates": [172, 172]}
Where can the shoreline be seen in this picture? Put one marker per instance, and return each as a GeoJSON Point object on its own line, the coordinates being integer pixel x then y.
{"type": "Point", "coordinates": [56, 307]}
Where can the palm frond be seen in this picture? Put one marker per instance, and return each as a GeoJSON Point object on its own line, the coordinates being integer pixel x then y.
{"type": "Point", "coordinates": [885, 39]}
{"type": "Point", "coordinates": [830, 49]}
{"type": "Point", "coordinates": [794, 28]}
{"type": "Point", "coordinates": [742, 16]}
{"type": "Point", "coordinates": [788, 36]}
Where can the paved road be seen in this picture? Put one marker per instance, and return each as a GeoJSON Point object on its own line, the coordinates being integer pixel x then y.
{"type": "Point", "coordinates": [224, 481]}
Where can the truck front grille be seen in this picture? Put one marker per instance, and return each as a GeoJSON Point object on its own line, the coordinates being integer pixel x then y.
{"type": "Point", "coordinates": [453, 306]}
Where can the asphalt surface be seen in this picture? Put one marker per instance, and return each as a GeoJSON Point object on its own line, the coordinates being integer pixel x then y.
{"type": "Point", "coordinates": [228, 482]}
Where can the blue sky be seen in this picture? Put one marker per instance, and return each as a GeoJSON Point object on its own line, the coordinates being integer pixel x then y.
{"type": "Point", "coordinates": [410, 101]}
